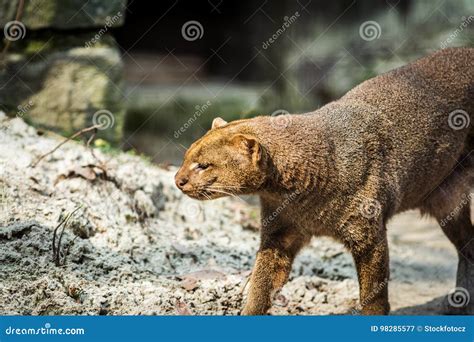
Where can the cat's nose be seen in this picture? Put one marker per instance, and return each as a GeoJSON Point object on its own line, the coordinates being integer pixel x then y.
{"type": "Point", "coordinates": [181, 181]}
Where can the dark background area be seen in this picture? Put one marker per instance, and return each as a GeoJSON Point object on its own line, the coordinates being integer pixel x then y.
{"type": "Point", "coordinates": [130, 58]}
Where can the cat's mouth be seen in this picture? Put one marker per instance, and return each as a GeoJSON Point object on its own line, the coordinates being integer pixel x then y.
{"type": "Point", "coordinates": [207, 191]}
{"type": "Point", "coordinates": [203, 195]}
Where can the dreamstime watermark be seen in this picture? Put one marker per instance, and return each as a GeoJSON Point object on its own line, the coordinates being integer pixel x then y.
{"type": "Point", "coordinates": [104, 119]}
{"type": "Point", "coordinates": [191, 209]}
{"type": "Point", "coordinates": [281, 118]}
{"type": "Point", "coordinates": [458, 297]}
{"type": "Point", "coordinates": [369, 207]}
{"type": "Point", "coordinates": [465, 22]}
{"type": "Point", "coordinates": [370, 30]}
{"type": "Point", "coordinates": [23, 109]}
{"type": "Point", "coordinates": [199, 110]}
{"type": "Point", "coordinates": [192, 30]}
{"type": "Point", "coordinates": [46, 330]}
{"type": "Point", "coordinates": [14, 30]}
{"type": "Point", "coordinates": [288, 21]}
{"type": "Point", "coordinates": [278, 298]}
{"type": "Point", "coordinates": [459, 119]}
{"type": "Point", "coordinates": [109, 22]}
{"type": "Point", "coordinates": [274, 214]}
{"type": "Point", "coordinates": [378, 288]}
{"type": "Point", "coordinates": [465, 199]}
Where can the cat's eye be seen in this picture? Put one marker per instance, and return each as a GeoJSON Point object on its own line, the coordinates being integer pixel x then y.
{"type": "Point", "coordinates": [200, 167]}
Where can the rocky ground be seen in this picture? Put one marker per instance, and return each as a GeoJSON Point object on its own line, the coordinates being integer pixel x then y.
{"type": "Point", "coordinates": [132, 244]}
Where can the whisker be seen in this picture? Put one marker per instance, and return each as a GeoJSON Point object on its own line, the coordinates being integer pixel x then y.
{"type": "Point", "coordinates": [224, 187]}
{"type": "Point", "coordinates": [223, 192]}
{"type": "Point", "coordinates": [229, 194]}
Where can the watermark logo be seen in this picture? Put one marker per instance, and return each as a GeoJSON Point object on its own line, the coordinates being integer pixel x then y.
{"type": "Point", "coordinates": [288, 21]}
{"type": "Point", "coordinates": [274, 214]}
{"type": "Point", "coordinates": [46, 330]}
{"type": "Point", "coordinates": [199, 110]}
{"type": "Point", "coordinates": [458, 297]}
{"type": "Point", "coordinates": [377, 289]}
{"type": "Point", "coordinates": [22, 110]}
{"type": "Point", "coordinates": [14, 30]}
{"type": "Point", "coordinates": [109, 22]}
{"type": "Point", "coordinates": [103, 119]}
{"type": "Point", "coordinates": [370, 30]}
{"type": "Point", "coordinates": [281, 118]}
{"type": "Point", "coordinates": [370, 208]}
{"type": "Point", "coordinates": [464, 23]}
{"type": "Point", "coordinates": [191, 209]}
{"type": "Point", "coordinates": [458, 119]}
{"type": "Point", "coordinates": [192, 30]}
{"type": "Point", "coordinates": [465, 199]}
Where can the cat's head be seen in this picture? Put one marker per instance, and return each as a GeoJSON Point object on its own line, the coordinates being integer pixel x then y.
{"type": "Point", "coordinates": [223, 162]}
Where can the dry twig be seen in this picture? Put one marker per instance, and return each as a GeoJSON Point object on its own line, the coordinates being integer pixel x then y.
{"type": "Point", "coordinates": [57, 246]}
{"type": "Point", "coordinates": [75, 135]}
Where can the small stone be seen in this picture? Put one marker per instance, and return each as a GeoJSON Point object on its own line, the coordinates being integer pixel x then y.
{"type": "Point", "coordinates": [144, 204]}
{"type": "Point", "coordinates": [18, 127]}
{"type": "Point", "coordinates": [189, 284]}
{"type": "Point", "coordinates": [16, 230]}
{"type": "Point", "coordinates": [280, 300]}
{"type": "Point", "coordinates": [82, 227]}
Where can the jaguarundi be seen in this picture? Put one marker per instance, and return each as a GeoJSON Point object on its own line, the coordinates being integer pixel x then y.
{"type": "Point", "coordinates": [399, 141]}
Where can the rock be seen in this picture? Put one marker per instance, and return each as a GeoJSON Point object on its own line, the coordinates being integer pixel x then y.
{"type": "Point", "coordinates": [144, 204]}
{"type": "Point", "coordinates": [82, 227]}
{"type": "Point", "coordinates": [69, 87]}
{"type": "Point", "coordinates": [156, 194]}
{"type": "Point", "coordinates": [205, 274]}
{"type": "Point", "coordinates": [182, 308]}
{"type": "Point", "coordinates": [280, 300]}
{"type": "Point", "coordinates": [321, 298]}
{"type": "Point", "coordinates": [60, 14]}
{"type": "Point", "coordinates": [16, 230]}
{"type": "Point", "coordinates": [189, 284]}
{"type": "Point", "coordinates": [18, 127]}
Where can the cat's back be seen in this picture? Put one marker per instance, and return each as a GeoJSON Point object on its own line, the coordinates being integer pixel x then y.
{"type": "Point", "coordinates": [435, 82]}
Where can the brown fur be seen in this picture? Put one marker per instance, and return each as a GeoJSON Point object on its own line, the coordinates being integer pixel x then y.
{"type": "Point", "coordinates": [345, 169]}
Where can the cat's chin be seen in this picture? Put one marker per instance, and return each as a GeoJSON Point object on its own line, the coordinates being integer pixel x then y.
{"type": "Point", "coordinates": [204, 196]}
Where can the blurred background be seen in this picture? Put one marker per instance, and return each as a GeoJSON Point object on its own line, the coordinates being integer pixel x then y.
{"type": "Point", "coordinates": [160, 71]}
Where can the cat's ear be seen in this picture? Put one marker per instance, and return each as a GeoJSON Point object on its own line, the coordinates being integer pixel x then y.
{"type": "Point", "coordinates": [218, 122]}
{"type": "Point", "coordinates": [248, 145]}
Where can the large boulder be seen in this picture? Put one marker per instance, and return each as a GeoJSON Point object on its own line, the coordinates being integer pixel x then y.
{"type": "Point", "coordinates": [61, 82]}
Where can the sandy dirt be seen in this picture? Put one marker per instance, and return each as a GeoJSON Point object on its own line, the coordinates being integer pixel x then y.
{"type": "Point", "coordinates": [136, 245]}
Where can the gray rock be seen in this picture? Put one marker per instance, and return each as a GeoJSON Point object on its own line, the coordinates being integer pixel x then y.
{"type": "Point", "coordinates": [82, 227]}
{"type": "Point", "coordinates": [67, 85]}
{"type": "Point", "coordinates": [144, 204]}
{"type": "Point", "coordinates": [16, 230]}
